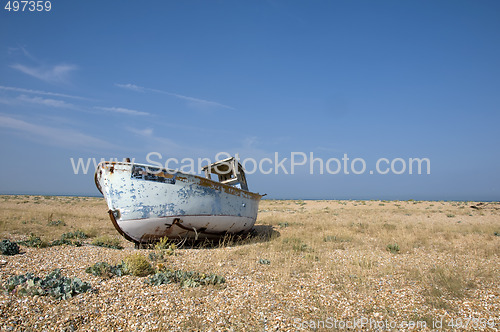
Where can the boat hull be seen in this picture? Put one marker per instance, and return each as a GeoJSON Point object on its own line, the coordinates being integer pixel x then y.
{"type": "Point", "coordinates": [146, 203]}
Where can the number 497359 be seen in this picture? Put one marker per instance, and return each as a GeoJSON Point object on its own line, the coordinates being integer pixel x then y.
{"type": "Point", "coordinates": [32, 6]}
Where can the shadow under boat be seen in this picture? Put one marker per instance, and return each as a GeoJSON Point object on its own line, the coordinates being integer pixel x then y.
{"type": "Point", "coordinates": [258, 234]}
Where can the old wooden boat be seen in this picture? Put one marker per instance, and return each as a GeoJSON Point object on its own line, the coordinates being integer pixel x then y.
{"type": "Point", "coordinates": [147, 203]}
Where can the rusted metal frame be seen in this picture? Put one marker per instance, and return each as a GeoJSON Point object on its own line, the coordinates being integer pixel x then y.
{"type": "Point", "coordinates": [97, 183]}
{"type": "Point", "coordinates": [117, 227]}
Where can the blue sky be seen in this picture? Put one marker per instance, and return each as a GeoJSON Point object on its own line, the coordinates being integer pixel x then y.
{"type": "Point", "coordinates": [188, 79]}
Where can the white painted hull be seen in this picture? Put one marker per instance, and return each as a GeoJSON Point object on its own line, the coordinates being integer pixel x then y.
{"type": "Point", "coordinates": [145, 208]}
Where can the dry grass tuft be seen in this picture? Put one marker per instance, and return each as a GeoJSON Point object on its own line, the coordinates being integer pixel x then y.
{"type": "Point", "coordinates": [137, 265]}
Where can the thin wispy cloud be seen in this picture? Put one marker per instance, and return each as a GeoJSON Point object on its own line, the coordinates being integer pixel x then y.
{"type": "Point", "coordinates": [251, 141]}
{"type": "Point", "coordinates": [51, 74]}
{"type": "Point", "coordinates": [192, 100]}
{"type": "Point", "coordinates": [201, 102]}
{"type": "Point", "coordinates": [157, 143]}
{"type": "Point", "coordinates": [121, 110]}
{"type": "Point", "coordinates": [131, 87]}
{"type": "Point", "coordinates": [147, 132]}
{"type": "Point", "coordinates": [38, 92]}
{"type": "Point", "coordinates": [24, 51]}
{"type": "Point", "coordinates": [53, 135]}
{"type": "Point", "coordinates": [46, 102]}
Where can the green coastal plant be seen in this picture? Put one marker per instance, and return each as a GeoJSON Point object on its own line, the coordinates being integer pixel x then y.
{"type": "Point", "coordinates": [184, 279]}
{"type": "Point", "coordinates": [105, 270]}
{"type": "Point", "coordinates": [107, 242]}
{"type": "Point", "coordinates": [54, 284]}
{"type": "Point", "coordinates": [9, 248]}
{"type": "Point", "coordinates": [162, 249]}
{"type": "Point", "coordinates": [393, 248]}
{"type": "Point", "coordinates": [34, 242]}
